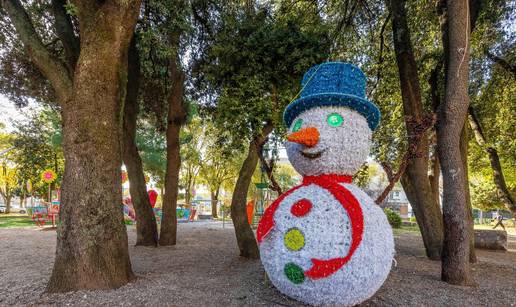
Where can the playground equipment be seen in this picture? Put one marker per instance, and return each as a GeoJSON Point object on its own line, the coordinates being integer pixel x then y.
{"type": "Point", "coordinates": [153, 197]}
{"type": "Point", "coordinates": [263, 197]}
{"type": "Point", "coordinates": [45, 213]}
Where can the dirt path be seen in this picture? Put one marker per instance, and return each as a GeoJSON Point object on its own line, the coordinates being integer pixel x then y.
{"type": "Point", "coordinates": [511, 242]}
{"type": "Point", "coordinates": [204, 270]}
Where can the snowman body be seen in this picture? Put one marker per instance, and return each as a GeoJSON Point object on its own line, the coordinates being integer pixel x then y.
{"type": "Point", "coordinates": [327, 231]}
{"type": "Point", "coordinates": [326, 242]}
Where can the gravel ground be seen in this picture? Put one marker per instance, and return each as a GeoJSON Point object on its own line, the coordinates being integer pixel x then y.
{"type": "Point", "coordinates": [204, 270]}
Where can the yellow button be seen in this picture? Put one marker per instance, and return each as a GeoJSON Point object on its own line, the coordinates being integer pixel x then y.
{"type": "Point", "coordinates": [294, 239]}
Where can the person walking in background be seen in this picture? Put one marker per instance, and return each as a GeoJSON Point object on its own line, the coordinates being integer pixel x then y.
{"type": "Point", "coordinates": [499, 219]}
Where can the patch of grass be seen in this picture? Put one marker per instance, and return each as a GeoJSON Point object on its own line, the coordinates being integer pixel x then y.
{"type": "Point", "coordinates": [10, 221]}
{"type": "Point", "coordinates": [405, 229]}
{"type": "Point", "coordinates": [508, 227]}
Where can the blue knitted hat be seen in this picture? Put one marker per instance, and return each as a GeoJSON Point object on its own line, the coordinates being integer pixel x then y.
{"type": "Point", "coordinates": [333, 84]}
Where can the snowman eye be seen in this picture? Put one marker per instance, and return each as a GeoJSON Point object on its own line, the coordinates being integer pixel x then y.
{"type": "Point", "coordinates": [335, 120]}
{"type": "Point", "coordinates": [297, 125]}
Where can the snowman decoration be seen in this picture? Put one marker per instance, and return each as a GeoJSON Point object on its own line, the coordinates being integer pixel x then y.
{"type": "Point", "coordinates": [325, 242]}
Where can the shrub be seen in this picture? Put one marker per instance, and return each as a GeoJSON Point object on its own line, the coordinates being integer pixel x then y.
{"type": "Point", "coordinates": [393, 217]}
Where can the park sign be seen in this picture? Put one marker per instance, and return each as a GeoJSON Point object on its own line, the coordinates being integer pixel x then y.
{"type": "Point", "coordinates": [48, 176]}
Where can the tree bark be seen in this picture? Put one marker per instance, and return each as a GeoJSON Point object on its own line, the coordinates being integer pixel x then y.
{"type": "Point", "coordinates": [64, 30]}
{"type": "Point", "coordinates": [415, 179]}
{"type": "Point", "coordinates": [7, 201]}
{"type": "Point", "coordinates": [452, 117]}
{"type": "Point", "coordinates": [214, 202]}
{"type": "Point", "coordinates": [494, 160]}
{"type": "Point", "coordinates": [92, 251]}
{"type": "Point", "coordinates": [244, 235]}
{"type": "Point", "coordinates": [146, 228]}
{"type": "Point", "coordinates": [8, 205]}
{"type": "Point", "coordinates": [176, 118]}
{"type": "Point", "coordinates": [475, 7]}
{"type": "Point", "coordinates": [23, 198]}
{"type": "Point", "coordinates": [464, 144]}
{"type": "Point", "coordinates": [435, 174]}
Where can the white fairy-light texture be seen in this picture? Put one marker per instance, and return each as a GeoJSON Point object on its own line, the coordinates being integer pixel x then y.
{"type": "Point", "coordinates": [327, 232]}
{"type": "Point", "coordinates": [344, 149]}
{"type": "Point", "coordinates": [327, 228]}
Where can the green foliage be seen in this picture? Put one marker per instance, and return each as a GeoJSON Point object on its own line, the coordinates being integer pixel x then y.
{"type": "Point", "coordinates": [161, 36]}
{"type": "Point", "coordinates": [393, 218]}
{"type": "Point", "coordinates": [152, 147]}
{"type": "Point", "coordinates": [243, 64]}
{"type": "Point", "coordinates": [219, 166]}
{"type": "Point", "coordinates": [20, 79]}
{"type": "Point", "coordinates": [286, 176]}
{"type": "Point", "coordinates": [37, 144]}
{"type": "Point", "coordinates": [253, 66]}
{"type": "Point", "coordinates": [362, 177]}
{"type": "Point", "coordinates": [484, 194]}
{"type": "Point", "coordinates": [193, 144]}
{"type": "Point", "coordinates": [71, 9]}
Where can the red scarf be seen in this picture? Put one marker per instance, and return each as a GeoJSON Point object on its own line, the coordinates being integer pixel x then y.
{"type": "Point", "coordinates": [331, 183]}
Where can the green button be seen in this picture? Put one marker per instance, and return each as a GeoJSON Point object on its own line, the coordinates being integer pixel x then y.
{"type": "Point", "coordinates": [335, 120]}
{"type": "Point", "coordinates": [294, 273]}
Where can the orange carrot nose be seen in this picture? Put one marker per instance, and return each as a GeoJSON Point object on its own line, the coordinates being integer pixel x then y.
{"type": "Point", "coordinates": [306, 136]}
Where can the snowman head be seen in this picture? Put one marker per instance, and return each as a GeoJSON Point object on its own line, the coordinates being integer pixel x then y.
{"type": "Point", "coordinates": [328, 140]}
{"type": "Point", "coordinates": [331, 124]}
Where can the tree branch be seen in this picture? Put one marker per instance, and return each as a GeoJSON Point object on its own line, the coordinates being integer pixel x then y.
{"type": "Point", "coordinates": [269, 168]}
{"type": "Point", "coordinates": [50, 66]}
{"type": "Point", "coordinates": [502, 62]}
{"type": "Point", "coordinates": [380, 57]}
{"type": "Point", "coordinates": [64, 29]}
{"type": "Point", "coordinates": [418, 131]}
{"type": "Point", "coordinates": [498, 176]}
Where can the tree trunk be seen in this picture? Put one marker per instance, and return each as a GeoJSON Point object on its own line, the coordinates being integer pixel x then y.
{"type": "Point", "coordinates": [188, 190]}
{"type": "Point", "coordinates": [435, 169]}
{"type": "Point", "coordinates": [7, 201]}
{"type": "Point", "coordinates": [426, 209]}
{"type": "Point", "coordinates": [146, 228]}
{"type": "Point", "coordinates": [464, 144]}
{"type": "Point", "coordinates": [176, 118]}
{"type": "Point", "coordinates": [162, 195]}
{"type": "Point", "coordinates": [475, 7]}
{"type": "Point", "coordinates": [498, 176]}
{"type": "Point", "coordinates": [244, 235]}
{"type": "Point", "coordinates": [214, 202]}
{"type": "Point", "coordinates": [452, 117]}
{"type": "Point", "coordinates": [23, 199]}
{"type": "Point", "coordinates": [415, 179]}
{"type": "Point", "coordinates": [92, 251]}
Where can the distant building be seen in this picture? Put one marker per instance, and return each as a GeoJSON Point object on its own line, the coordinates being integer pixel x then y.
{"type": "Point", "coordinates": [397, 201]}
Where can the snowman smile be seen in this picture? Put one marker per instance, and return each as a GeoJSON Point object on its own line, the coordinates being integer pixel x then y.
{"type": "Point", "coordinates": [312, 155]}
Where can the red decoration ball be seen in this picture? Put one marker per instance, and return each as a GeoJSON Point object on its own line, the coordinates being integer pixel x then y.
{"type": "Point", "coordinates": [301, 208]}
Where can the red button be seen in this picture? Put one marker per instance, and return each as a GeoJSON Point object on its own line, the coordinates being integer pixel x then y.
{"type": "Point", "coordinates": [301, 207]}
